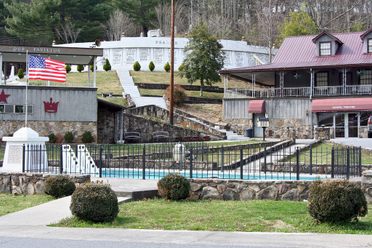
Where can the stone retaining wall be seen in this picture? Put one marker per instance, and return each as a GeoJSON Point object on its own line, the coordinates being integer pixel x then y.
{"type": "Point", "coordinates": [29, 184]}
{"type": "Point", "coordinates": [248, 190]}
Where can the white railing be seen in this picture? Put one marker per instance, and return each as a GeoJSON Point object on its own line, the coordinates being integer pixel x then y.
{"type": "Point", "coordinates": [349, 90]}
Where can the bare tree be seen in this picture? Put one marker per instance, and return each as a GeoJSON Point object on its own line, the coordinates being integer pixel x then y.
{"type": "Point", "coordinates": [163, 14]}
{"type": "Point", "coordinates": [67, 32]}
{"type": "Point", "coordinates": [120, 24]}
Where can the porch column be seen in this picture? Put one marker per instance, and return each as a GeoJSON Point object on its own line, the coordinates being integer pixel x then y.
{"type": "Point", "coordinates": [89, 75]}
{"type": "Point", "coordinates": [344, 81]}
{"type": "Point", "coordinates": [254, 84]}
{"type": "Point", "coordinates": [225, 84]}
{"type": "Point", "coordinates": [281, 83]}
{"type": "Point", "coordinates": [311, 83]}
{"type": "Point", "coordinates": [1, 68]}
{"type": "Point", "coordinates": [94, 72]}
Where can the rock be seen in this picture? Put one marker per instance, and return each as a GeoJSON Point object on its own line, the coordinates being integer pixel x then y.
{"type": "Point", "coordinates": [195, 187]}
{"type": "Point", "coordinates": [247, 194]}
{"type": "Point", "coordinates": [221, 188]}
{"type": "Point", "coordinates": [290, 195]}
{"type": "Point", "coordinates": [255, 187]}
{"type": "Point", "coordinates": [283, 188]}
{"type": "Point", "coordinates": [230, 194]}
{"type": "Point", "coordinates": [29, 189]}
{"type": "Point", "coordinates": [16, 190]}
{"type": "Point", "coordinates": [210, 193]}
{"type": "Point", "coordinates": [40, 187]}
{"type": "Point", "coordinates": [269, 193]}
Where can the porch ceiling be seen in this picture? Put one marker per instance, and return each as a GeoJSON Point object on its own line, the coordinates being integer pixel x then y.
{"type": "Point", "coordinates": [262, 78]}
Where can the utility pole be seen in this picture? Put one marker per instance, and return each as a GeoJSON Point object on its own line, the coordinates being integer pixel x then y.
{"type": "Point", "coordinates": [171, 104]}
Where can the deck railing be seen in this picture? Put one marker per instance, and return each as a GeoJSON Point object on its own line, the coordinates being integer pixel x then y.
{"type": "Point", "coordinates": [349, 90]}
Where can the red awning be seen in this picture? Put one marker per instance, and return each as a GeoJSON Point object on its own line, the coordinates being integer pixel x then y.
{"type": "Point", "coordinates": [342, 105]}
{"type": "Point", "coordinates": [256, 106]}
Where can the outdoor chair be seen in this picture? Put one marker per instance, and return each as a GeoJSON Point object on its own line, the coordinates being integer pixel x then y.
{"type": "Point", "coordinates": [132, 137]}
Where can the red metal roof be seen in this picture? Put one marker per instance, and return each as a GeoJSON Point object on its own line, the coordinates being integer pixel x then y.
{"type": "Point", "coordinates": [256, 106]}
{"type": "Point", "coordinates": [300, 53]}
{"type": "Point", "coordinates": [342, 105]}
{"type": "Point", "coordinates": [329, 35]}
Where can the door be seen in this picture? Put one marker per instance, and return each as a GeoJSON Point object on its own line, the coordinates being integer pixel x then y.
{"type": "Point", "coordinates": [352, 125]}
{"type": "Point", "coordinates": [340, 125]}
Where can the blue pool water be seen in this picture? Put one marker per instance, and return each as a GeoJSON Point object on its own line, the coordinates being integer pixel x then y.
{"type": "Point", "coordinates": [158, 174]}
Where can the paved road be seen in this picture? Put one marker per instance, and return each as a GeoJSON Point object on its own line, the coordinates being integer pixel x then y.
{"type": "Point", "coordinates": [41, 236]}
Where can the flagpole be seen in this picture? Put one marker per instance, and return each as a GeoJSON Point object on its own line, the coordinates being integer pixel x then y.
{"type": "Point", "coordinates": [27, 66]}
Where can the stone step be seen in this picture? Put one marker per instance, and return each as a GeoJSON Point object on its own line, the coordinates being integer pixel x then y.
{"type": "Point", "coordinates": [136, 195]}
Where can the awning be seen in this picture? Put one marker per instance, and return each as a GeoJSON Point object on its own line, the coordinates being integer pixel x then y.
{"type": "Point", "coordinates": [342, 105]}
{"type": "Point", "coordinates": [256, 106]}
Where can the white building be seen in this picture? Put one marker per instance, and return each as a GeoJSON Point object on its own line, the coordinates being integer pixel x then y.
{"type": "Point", "coordinates": [123, 53]}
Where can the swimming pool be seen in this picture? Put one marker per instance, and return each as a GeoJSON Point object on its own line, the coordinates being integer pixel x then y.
{"type": "Point", "coordinates": [158, 174]}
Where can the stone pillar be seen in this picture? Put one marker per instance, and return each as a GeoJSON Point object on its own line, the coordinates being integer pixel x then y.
{"type": "Point", "coordinates": [367, 185]}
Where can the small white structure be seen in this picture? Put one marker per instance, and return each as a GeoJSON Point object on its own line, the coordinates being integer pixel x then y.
{"type": "Point", "coordinates": [35, 152]}
{"type": "Point", "coordinates": [83, 163]}
{"type": "Point", "coordinates": [179, 154]}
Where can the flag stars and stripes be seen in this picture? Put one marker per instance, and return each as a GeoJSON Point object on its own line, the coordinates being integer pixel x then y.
{"type": "Point", "coordinates": [40, 68]}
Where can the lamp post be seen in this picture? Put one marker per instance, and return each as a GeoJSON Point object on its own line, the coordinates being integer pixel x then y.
{"type": "Point", "coordinates": [264, 123]}
{"type": "Point", "coordinates": [171, 100]}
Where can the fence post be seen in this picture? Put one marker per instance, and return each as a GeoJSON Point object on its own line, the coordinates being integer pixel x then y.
{"type": "Point", "coordinates": [265, 162]}
{"type": "Point", "coordinates": [222, 162]}
{"type": "Point", "coordinates": [61, 160]}
{"type": "Point", "coordinates": [333, 162]}
{"type": "Point", "coordinates": [23, 158]}
{"type": "Point", "coordinates": [348, 162]}
{"type": "Point", "coordinates": [311, 159]}
{"type": "Point", "coordinates": [191, 161]}
{"type": "Point", "coordinates": [100, 160]}
{"type": "Point", "coordinates": [360, 160]}
{"type": "Point", "coordinates": [297, 164]}
{"type": "Point", "coordinates": [144, 163]}
{"type": "Point", "coordinates": [241, 163]}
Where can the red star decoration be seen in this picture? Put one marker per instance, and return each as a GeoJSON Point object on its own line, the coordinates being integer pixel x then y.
{"type": "Point", "coordinates": [3, 97]}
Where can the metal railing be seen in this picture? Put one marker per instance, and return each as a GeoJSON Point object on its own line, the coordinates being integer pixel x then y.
{"type": "Point", "coordinates": [264, 161]}
{"type": "Point", "coordinates": [348, 90]}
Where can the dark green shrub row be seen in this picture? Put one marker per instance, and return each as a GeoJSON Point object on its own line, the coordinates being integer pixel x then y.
{"type": "Point", "coordinates": [174, 187]}
{"type": "Point", "coordinates": [59, 186]}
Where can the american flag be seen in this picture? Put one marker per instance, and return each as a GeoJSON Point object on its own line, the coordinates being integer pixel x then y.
{"type": "Point", "coordinates": [40, 68]}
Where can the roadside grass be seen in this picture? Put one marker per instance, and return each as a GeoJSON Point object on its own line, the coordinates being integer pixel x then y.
{"type": "Point", "coordinates": [10, 203]}
{"type": "Point", "coordinates": [244, 216]}
{"type": "Point", "coordinates": [209, 95]}
{"type": "Point", "coordinates": [116, 100]}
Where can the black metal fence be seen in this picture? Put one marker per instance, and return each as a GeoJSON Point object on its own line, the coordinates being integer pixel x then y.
{"type": "Point", "coordinates": [264, 161]}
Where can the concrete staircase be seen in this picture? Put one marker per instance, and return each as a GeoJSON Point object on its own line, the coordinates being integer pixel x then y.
{"type": "Point", "coordinates": [132, 90]}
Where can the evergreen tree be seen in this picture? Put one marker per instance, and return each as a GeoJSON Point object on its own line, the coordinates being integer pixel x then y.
{"type": "Point", "coordinates": [204, 58]}
{"type": "Point", "coordinates": [107, 65]}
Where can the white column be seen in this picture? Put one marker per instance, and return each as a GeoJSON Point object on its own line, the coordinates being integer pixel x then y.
{"type": "Point", "coordinates": [89, 76]}
{"type": "Point", "coordinates": [1, 68]}
{"type": "Point", "coordinates": [95, 72]}
{"type": "Point", "coordinates": [311, 83]}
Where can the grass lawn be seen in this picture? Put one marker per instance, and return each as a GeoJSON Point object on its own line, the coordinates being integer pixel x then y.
{"type": "Point", "coordinates": [245, 216]}
{"type": "Point", "coordinates": [210, 95]}
{"type": "Point", "coordinates": [10, 203]}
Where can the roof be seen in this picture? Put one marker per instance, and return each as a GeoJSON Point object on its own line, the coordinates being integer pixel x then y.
{"type": "Point", "coordinates": [68, 55]}
{"type": "Point", "coordinates": [316, 38]}
{"type": "Point", "coordinates": [366, 33]}
{"type": "Point", "coordinates": [300, 53]}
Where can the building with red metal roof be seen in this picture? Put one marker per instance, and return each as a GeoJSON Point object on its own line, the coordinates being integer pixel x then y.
{"type": "Point", "coordinates": [315, 84]}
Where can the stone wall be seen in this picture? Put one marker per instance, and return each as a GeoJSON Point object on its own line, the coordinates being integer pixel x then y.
{"type": "Point", "coordinates": [249, 190]}
{"type": "Point", "coordinates": [29, 184]}
{"type": "Point", "coordinates": [367, 185]}
{"type": "Point", "coordinates": [323, 133]}
{"type": "Point", "coordinates": [289, 129]}
{"type": "Point", "coordinates": [44, 128]}
{"type": "Point", "coordinates": [147, 127]}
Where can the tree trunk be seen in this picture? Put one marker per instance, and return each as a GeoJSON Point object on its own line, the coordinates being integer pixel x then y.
{"type": "Point", "coordinates": [201, 87]}
{"type": "Point", "coordinates": [145, 30]}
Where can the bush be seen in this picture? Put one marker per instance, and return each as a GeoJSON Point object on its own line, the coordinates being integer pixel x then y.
{"type": "Point", "coordinates": [68, 68]}
{"type": "Point", "coordinates": [151, 66]}
{"type": "Point", "coordinates": [21, 73]}
{"type": "Point", "coordinates": [336, 201]}
{"type": "Point", "coordinates": [107, 65]}
{"type": "Point", "coordinates": [174, 187]}
{"type": "Point", "coordinates": [181, 68]}
{"type": "Point", "coordinates": [167, 67]}
{"type": "Point", "coordinates": [136, 66]}
{"type": "Point", "coordinates": [52, 138]}
{"type": "Point", "coordinates": [94, 202]}
{"type": "Point", "coordinates": [69, 137]}
{"type": "Point", "coordinates": [179, 95]}
{"type": "Point", "coordinates": [59, 186]}
{"type": "Point", "coordinates": [92, 68]}
{"type": "Point", "coordinates": [80, 68]}
{"type": "Point", "coordinates": [87, 137]}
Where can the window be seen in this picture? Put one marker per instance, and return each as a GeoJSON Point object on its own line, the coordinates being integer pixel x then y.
{"type": "Point", "coordinates": [365, 77]}
{"type": "Point", "coordinates": [8, 109]}
{"type": "Point", "coordinates": [321, 79]}
{"type": "Point", "coordinates": [369, 46]}
{"type": "Point", "coordinates": [2, 108]}
{"type": "Point", "coordinates": [20, 109]}
{"type": "Point", "coordinates": [324, 48]}
{"type": "Point", "coordinates": [325, 119]}
{"type": "Point", "coordinates": [364, 118]}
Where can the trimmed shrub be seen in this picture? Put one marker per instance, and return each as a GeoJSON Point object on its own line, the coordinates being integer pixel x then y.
{"type": "Point", "coordinates": [52, 138]}
{"type": "Point", "coordinates": [68, 68]}
{"type": "Point", "coordinates": [87, 137]}
{"type": "Point", "coordinates": [174, 187]}
{"type": "Point", "coordinates": [181, 67]}
{"type": "Point", "coordinates": [151, 66]}
{"type": "Point", "coordinates": [69, 137]}
{"type": "Point", "coordinates": [179, 94]}
{"type": "Point", "coordinates": [59, 186]}
{"type": "Point", "coordinates": [167, 67]}
{"type": "Point", "coordinates": [107, 65]}
{"type": "Point", "coordinates": [336, 201]}
{"type": "Point", "coordinates": [136, 66]}
{"type": "Point", "coordinates": [80, 68]}
{"type": "Point", "coordinates": [92, 68]}
{"type": "Point", "coordinates": [94, 202]}
{"type": "Point", "coordinates": [21, 73]}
